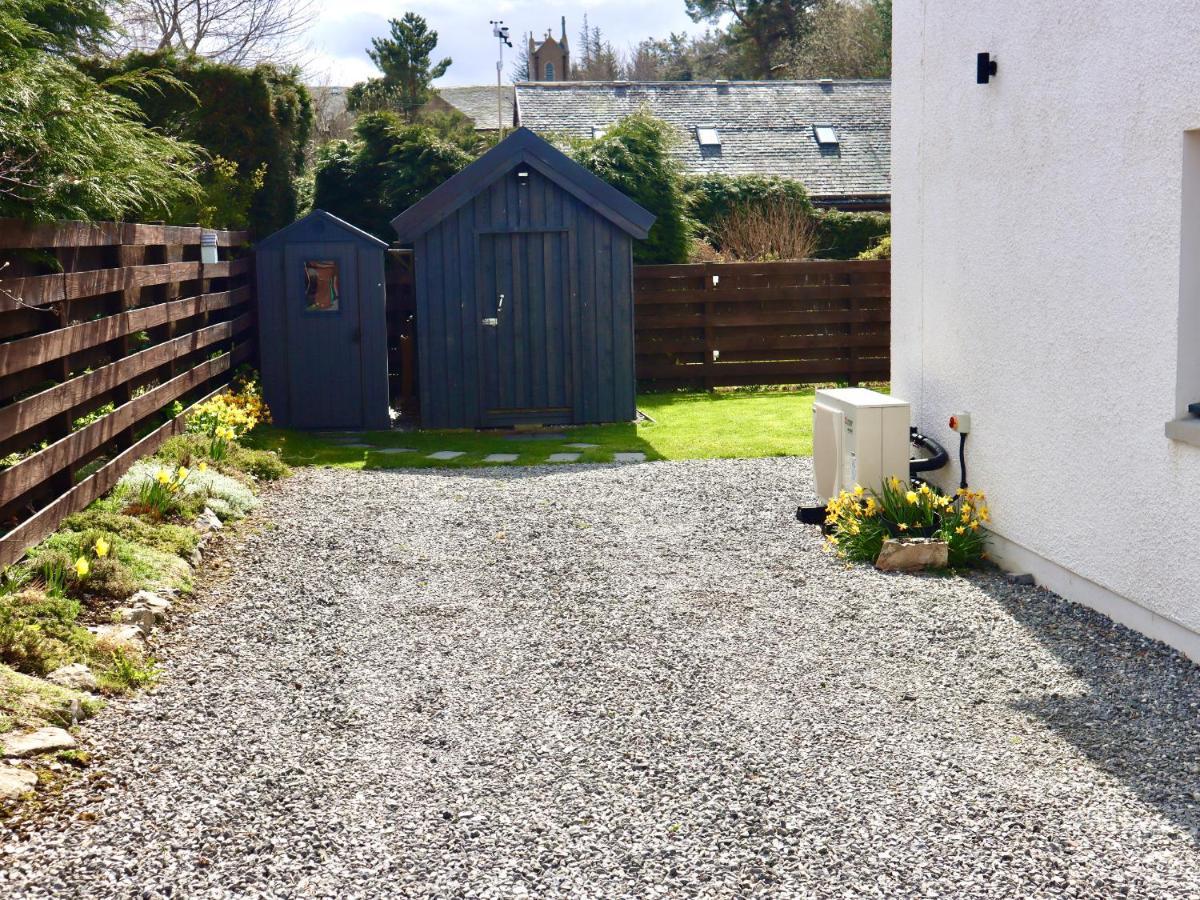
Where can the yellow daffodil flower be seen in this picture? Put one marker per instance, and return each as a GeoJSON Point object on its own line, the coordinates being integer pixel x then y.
{"type": "Point", "coordinates": [203, 467]}
{"type": "Point", "coordinates": [975, 525]}
{"type": "Point", "coordinates": [101, 547]}
{"type": "Point", "coordinates": [182, 473]}
{"type": "Point", "coordinates": [925, 489]}
{"type": "Point", "coordinates": [162, 476]}
{"type": "Point", "coordinates": [911, 496]}
{"type": "Point", "coordinates": [902, 526]}
{"type": "Point", "coordinates": [82, 567]}
{"type": "Point", "coordinates": [960, 530]}
{"type": "Point", "coordinates": [858, 490]}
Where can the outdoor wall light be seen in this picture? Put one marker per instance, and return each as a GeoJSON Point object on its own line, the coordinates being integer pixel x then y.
{"type": "Point", "coordinates": [985, 68]}
{"type": "Point", "coordinates": [522, 174]}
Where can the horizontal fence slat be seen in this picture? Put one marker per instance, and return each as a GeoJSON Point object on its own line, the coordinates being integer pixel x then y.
{"type": "Point", "coordinates": [29, 472]}
{"type": "Point", "coordinates": [43, 348]}
{"type": "Point", "coordinates": [714, 324]}
{"type": "Point", "coordinates": [18, 234]}
{"type": "Point", "coordinates": [25, 414]}
{"type": "Point", "coordinates": [46, 520]}
{"type": "Point", "coordinates": [39, 290]}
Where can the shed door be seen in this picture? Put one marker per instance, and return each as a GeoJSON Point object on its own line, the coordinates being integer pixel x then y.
{"type": "Point", "coordinates": [324, 338]}
{"type": "Point", "coordinates": [525, 363]}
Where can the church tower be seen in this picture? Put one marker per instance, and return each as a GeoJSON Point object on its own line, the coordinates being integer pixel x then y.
{"type": "Point", "coordinates": [550, 60]}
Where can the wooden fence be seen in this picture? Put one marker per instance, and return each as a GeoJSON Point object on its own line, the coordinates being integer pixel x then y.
{"type": "Point", "coordinates": [712, 324]}
{"type": "Point", "coordinates": [103, 328]}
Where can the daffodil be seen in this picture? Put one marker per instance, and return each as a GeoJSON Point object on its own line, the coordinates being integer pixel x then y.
{"type": "Point", "coordinates": [975, 525]}
{"type": "Point", "coordinates": [911, 496]}
{"type": "Point", "coordinates": [203, 466]}
{"type": "Point", "coordinates": [82, 567]}
{"type": "Point", "coordinates": [101, 547]}
{"type": "Point", "coordinates": [902, 526]}
{"type": "Point", "coordinates": [925, 489]}
{"type": "Point", "coordinates": [960, 530]}
{"type": "Point", "coordinates": [858, 490]}
{"type": "Point", "coordinates": [162, 476]}
{"type": "Point", "coordinates": [182, 473]}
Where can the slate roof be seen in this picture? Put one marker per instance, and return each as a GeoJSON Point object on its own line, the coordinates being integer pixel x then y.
{"type": "Point", "coordinates": [478, 103]}
{"type": "Point", "coordinates": [765, 127]}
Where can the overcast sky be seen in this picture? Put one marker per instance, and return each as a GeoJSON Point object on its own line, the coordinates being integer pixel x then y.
{"type": "Point", "coordinates": [344, 30]}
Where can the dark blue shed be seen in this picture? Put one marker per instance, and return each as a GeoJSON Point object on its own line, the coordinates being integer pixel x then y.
{"type": "Point", "coordinates": [323, 325]}
{"type": "Point", "coordinates": [524, 291]}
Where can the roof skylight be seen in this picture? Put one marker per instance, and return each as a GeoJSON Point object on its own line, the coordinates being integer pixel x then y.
{"type": "Point", "coordinates": [598, 131]}
{"type": "Point", "coordinates": [707, 136]}
{"type": "Point", "coordinates": [826, 135]}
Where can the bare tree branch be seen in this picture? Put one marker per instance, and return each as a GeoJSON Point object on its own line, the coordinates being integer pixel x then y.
{"type": "Point", "coordinates": [240, 32]}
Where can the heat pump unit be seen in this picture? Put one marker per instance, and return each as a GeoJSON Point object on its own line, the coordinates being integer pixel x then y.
{"type": "Point", "coordinates": [859, 437]}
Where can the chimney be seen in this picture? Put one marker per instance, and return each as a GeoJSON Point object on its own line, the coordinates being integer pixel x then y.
{"type": "Point", "coordinates": [564, 28]}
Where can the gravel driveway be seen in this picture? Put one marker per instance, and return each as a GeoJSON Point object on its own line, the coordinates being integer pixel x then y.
{"type": "Point", "coordinates": [620, 682]}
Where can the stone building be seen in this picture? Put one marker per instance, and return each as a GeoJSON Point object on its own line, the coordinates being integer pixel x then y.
{"type": "Point", "coordinates": [551, 59]}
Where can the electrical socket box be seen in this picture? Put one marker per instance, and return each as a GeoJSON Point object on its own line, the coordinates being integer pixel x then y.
{"type": "Point", "coordinates": [859, 437]}
{"type": "Point", "coordinates": [961, 422]}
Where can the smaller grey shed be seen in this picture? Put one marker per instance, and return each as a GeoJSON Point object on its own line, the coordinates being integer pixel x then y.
{"type": "Point", "coordinates": [524, 291]}
{"type": "Point", "coordinates": [322, 316]}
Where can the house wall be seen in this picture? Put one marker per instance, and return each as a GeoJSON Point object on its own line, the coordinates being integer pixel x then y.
{"type": "Point", "coordinates": [1037, 283]}
{"type": "Point", "coordinates": [449, 305]}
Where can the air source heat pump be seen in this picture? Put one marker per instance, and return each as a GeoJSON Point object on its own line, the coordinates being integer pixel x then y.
{"type": "Point", "coordinates": [859, 437]}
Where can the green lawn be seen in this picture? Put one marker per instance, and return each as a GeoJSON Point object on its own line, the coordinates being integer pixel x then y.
{"type": "Point", "coordinates": [685, 426]}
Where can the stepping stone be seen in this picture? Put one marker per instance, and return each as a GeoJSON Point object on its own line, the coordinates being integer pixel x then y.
{"type": "Point", "coordinates": [629, 457]}
{"type": "Point", "coordinates": [501, 457]}
{"type": "Point", "coordinates": [391, 450]}
{"type": "Point", "coordinates": [445, 454]}
{"type": "Point", "coordinates": [582, 446]}
{"type": "Point", "coordinates": [562, 457]}
{"type": "Point", "coordinates": [14, 782]}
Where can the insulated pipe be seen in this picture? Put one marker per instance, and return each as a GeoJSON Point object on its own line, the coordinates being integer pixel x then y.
{"type": "Point", "coordinates": [926, 464]}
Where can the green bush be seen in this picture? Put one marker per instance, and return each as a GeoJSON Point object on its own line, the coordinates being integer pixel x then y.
{"type": "Point", "coordinates": [389, 166]}
{"type": "Point", "coordinates": [189, 449]}
{"type": "Point", "coordinates": [196, 492]}
{"type": "Point", "coordinates": [844, 235]}
{"type": "Point", "coordinates": [711, 198]}
{"type": "Point", "coordinates": [882, 250]}
{"type": "Point", "coordinates": [257, 118]}
{"type": "Point", "coordinates": [71, 147]}
{"type": "Point", "coordinates": [634, 156]}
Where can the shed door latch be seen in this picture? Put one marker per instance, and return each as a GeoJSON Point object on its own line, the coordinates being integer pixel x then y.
{"type": "Point", "coordinates": [493, 321]}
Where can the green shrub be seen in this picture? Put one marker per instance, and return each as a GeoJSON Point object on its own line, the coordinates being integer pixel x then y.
{"type": "Point", "coordinates": [126, 671]}
{"type": "Point", "coordinates": [197, 491]}
{"type": "Point", "coordinates": [882, 250]}
{"type": "Point", "coordinates": [389, 166]}
{"type": "Point", "coordinates": [130, 566]}
{"type": "Point", "coordinates": [844, 235]}
{"type": "Point", "coordinates": [634, 156]}
{"type": "Point", "coordinates": [712, 198]}
{"type": "Point", "coordinates": [256, 117]}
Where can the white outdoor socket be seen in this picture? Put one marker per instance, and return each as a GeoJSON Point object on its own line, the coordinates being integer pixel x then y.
{"type": "Point", "coordinates": [208, 247]}
{"type": "Point", "coordinates": [961, 422]}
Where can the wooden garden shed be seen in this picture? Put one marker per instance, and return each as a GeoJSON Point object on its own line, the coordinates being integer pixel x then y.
{"type": "Point", "coordinates": [323, 325]}
{"type": "Point", "coordinates": [524, 291]}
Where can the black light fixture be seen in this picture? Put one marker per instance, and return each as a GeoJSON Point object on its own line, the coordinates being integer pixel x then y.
{"type": "Point", "coordinates": [985, 68]}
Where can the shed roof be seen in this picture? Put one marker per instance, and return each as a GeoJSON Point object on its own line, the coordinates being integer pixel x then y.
{"type": "Point", "coordinates": [523, 146]}
{"type": "Point", "coordinates": [763, 127]}
{"type": "Point", "coordinates": [320, 218]}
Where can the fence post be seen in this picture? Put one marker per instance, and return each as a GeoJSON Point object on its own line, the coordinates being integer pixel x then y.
{"type": "Point", "coordinates": [710, 334]}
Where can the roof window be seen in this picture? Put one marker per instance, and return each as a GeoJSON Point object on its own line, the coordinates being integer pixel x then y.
{"type": "Point", "coordinates": [598, 131]}
{"type": "Point", "coordinates": [826, 135]}
{"type": "Point", "coordinates": [707, 136]}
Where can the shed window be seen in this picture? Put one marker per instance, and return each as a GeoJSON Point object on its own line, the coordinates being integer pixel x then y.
{"type": "Point", "coordinates": [549, 71]}
{"type": "Point", "coordinates": [826, 135]}
{"type": "Point", "coordinates": [322, 290]}
{"type": "Point", "coordinates": [707, 136]}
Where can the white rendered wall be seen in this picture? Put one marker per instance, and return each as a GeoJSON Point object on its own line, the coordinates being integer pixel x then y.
{"type": "Point", "coordinates": [1037, 282]}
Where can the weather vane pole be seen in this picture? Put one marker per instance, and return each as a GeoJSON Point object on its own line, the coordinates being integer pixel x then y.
{"type": "Point", "coordinates": [500, 32]}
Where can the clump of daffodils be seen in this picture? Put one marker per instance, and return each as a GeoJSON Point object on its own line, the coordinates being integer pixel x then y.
{"type": "Point", "coordinates": [859, 521]}
{"type": "Point", "coordinates": [158, 496]}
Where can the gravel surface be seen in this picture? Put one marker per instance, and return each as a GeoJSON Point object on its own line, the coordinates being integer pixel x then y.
{"type": "Point", "coordinates": [620, 681]}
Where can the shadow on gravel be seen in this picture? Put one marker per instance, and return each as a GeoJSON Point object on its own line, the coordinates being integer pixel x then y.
{"type": "Point", "coordinates": [1139, 720]}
